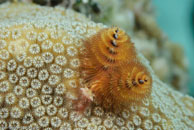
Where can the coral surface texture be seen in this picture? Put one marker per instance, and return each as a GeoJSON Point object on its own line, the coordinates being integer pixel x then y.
{"type": "Point", "coordinates": [40, 77]}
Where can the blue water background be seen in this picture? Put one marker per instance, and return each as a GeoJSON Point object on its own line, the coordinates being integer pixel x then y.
{"type": "Point", "coordinates": [175, 19]}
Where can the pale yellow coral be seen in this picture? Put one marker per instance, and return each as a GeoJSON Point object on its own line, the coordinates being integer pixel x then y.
{"type": "Point", "coordinates": [39, 77]}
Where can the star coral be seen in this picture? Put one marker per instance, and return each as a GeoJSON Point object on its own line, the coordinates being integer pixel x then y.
{"type": "Point", "coordinates": [39, 77]}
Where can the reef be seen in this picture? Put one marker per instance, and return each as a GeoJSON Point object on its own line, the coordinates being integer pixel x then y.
{"type": "Point", "coordinates": [40, 77]}
{"type": "Point", "coordinates": [137, 18]}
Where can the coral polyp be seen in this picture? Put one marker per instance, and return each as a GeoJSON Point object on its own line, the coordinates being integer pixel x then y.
{"type": "Point", "coordinates": [112, 72]}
